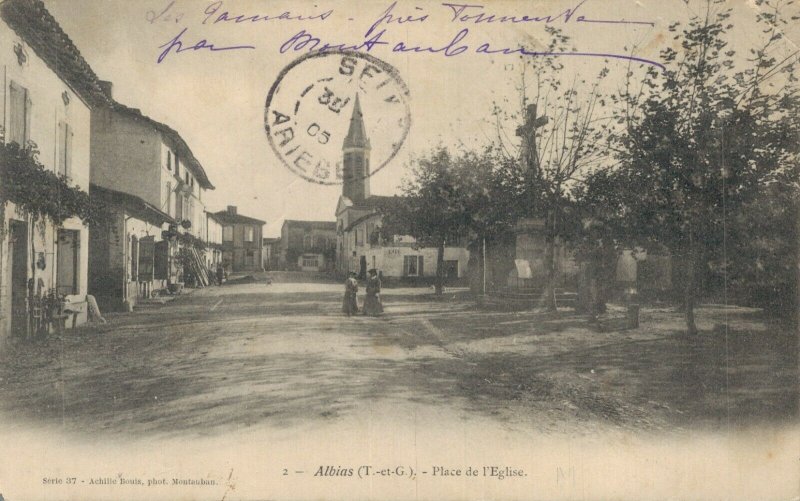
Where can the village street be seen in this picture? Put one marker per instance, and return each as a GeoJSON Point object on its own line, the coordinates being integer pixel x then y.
{"type": "Point", "coordinates": [282, 355]}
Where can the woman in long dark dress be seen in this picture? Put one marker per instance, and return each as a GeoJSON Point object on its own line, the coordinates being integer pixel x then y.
{"type": "Point", "coordinates": [372, 302]}
{"type": "Point", "coordinates": [350, 305]}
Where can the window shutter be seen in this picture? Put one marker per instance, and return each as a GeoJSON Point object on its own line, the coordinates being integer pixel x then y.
{"type": "Point", "coordinates": [61, 148]}
{"type": "Point", "coordinates": [19, 120]}
{"type": "Point", "coordinates": [146, 258]}
{"type": "Point", "coordinates": [421, 266]}
{"type": "Point", "coordinates": [161, 260]}
{"type": "Point", "coordinates": [68, 151]}
{"type": "Point", "coordinates": [28, 105]}
{"type": "Point", "coordinates": [65, 135]}
{"type": "Point", "coordinates": [178, 206]}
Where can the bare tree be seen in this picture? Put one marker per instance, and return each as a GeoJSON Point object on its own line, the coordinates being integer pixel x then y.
{"type": "Point", "coordinates": [562, 137]}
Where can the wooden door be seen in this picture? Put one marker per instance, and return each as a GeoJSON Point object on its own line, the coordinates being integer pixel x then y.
{"type": "Point", "coordinates": [18, 252]}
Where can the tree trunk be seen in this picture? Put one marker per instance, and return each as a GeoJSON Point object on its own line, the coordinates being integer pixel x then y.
{"type": "Point", "coordinates": [550, 261]}
{"type": "Point", "coordinates": [689, 294]}
{"type": "Point", "coordinates": [440, 269]}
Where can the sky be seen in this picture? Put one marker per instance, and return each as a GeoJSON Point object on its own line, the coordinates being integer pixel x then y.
{"type": "Point", "coordinates": [216, 99]}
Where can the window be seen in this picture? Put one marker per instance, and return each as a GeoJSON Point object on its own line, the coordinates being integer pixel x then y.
{"type": "Point", "coordinates": [169, 160]}
{"type": "Point", "coordinates": [227, 233]}
{"type": "Point", "coordinates": [308, 242]}
{"type": "Point", "coordinates": [248, 233]}
{"type": "Point", "coordinates": [249, 258]}
{"type": "Point", "coordinates": [20, 123]}
{"type": "Point", "coordinates": [64, 149]}
{"type": "Point", "coordinates": [183, 207]}
{"type": "Point", "coordinates": [360, 236]}
{"type": "Point", "coordinates": [412, 266]}
{"type": "Point", "coordinates": [310, 261]}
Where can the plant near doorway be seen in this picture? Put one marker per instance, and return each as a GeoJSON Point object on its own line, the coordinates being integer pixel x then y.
{"type": "Point", "coordinates": [39, 194]}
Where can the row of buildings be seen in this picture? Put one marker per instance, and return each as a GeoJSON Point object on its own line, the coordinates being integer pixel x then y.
{"type": "Point", "coordinates": [155, 232]}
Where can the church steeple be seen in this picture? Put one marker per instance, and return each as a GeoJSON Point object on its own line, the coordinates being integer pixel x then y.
{"type": "Point", "coordinates": [356, 134]}
{"type": "Point", "coordinates": [356, 148]}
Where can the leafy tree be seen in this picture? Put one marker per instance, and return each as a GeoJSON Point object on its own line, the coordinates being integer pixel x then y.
{"type": "Point", "coordinates": [763, 268]}
{"type": "Point", "coordinates": [434, 209]}
{"type": "Point", "coordinates": [701, 140]}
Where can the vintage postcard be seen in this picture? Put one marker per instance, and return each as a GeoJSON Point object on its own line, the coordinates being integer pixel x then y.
{"type": "Point", "coordinates": [399, 249]}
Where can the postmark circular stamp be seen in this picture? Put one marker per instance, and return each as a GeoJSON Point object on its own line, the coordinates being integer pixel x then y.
{"type": "Point", "coordinates": [312, 103]}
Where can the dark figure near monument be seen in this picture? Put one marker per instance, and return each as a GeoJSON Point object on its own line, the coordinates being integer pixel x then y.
{"type": "Point", "coordinates": [372, 302]}
{"type": "Point", "coordinates": [350, 306]}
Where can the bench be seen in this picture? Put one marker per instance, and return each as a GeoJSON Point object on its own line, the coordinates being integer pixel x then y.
{"type": "Point", "coordinates": [70, 309]}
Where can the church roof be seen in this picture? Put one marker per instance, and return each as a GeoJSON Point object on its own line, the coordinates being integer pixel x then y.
{"type": "Point", "coordinates": [377, 205]}
{"type": "Point", "coordinates": [379, 202]}
{"type": "Point", "coordinates": [360, 220]}
{"type": "Point", "coordinates": [356, 134]}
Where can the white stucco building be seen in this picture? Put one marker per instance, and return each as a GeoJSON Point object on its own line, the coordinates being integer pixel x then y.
{"type": "Point", "coordinates": [47, 93]}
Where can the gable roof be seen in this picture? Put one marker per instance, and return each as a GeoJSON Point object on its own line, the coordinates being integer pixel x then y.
{"type": "Point", "coordinates": [311, 225]}
{"type": "Point", "coordinates": [226, 217]}
{"type": "Point", "coordinates": [32, 22]}
{"type": "Point", "coordinates": [171, 137]}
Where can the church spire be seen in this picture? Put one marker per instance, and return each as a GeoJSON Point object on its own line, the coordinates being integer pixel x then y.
{"type": "Point", "coordinates": [356, 134]}
{"type": "Point", "coordinates": [355, 165]}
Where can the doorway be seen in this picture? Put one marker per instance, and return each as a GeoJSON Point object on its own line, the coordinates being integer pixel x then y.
{"type": "Point", "coordinates": [67, 273]}
{"type": "Point", "coordinates": [450, 270]}
{"type": "Point", "coordinates": [18, 252]}
{"type": "Point", "coordinates": [362, 272]}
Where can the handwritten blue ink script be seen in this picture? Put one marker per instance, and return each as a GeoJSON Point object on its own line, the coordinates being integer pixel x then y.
{"type": "Point", "coordinates": [377, 36]}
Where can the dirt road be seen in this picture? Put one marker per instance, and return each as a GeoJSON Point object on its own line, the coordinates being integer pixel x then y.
{"type": "Point", "coordinates": [283, 356]}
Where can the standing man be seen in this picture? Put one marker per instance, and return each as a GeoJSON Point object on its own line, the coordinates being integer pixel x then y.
{"type": "Point", "coordinates": [350, 306]}
{"type": "Point", "coordinates": [220, 274]}
{"type": "Point", "coordinates": [372, 302]}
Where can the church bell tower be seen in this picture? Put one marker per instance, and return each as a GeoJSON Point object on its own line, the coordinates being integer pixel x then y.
{"type": "Point", "coordinates": [356, 149]}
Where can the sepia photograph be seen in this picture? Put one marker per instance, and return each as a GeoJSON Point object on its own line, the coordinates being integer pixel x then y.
{"type": "Point", "coordinates": [399, 249]}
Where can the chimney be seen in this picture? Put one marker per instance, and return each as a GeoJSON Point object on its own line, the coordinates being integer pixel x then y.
{"type": "Point", "coordinates": [232, 210]}
{"type": "Point", "coordinates": [108, 88]}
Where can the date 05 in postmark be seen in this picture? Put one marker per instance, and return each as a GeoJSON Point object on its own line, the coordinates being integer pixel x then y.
{"type": "Point", "coordinates": [312, 103]}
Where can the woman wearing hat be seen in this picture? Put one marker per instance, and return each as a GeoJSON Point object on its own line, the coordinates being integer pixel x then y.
{"type": "Point", "coordinates": [372, 303]}
{"type": "Point", "coordinates": [350, 306]}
